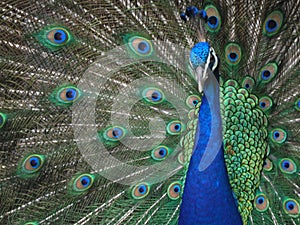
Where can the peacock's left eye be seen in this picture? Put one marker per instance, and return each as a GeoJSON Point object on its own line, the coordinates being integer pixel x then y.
{"type": "Point", "coordinates": [58, 36]}
{"type": "Point", "coordinates": [291, 207]}
{"type": "Point", "coordinates": [140, 191]}
{"type": "Point", "coordinates": [2, 119]}
{"type": "Point", "coordinates": [287, 166]}
{"type": "Point", "coordinates": [33, 163]}
{"type": "Point", "coordinates": [174, 190]}
{"type": "Point", "coordinates": [140, 45]}
{"type": "Point", "coordinates": [83, 182]}
{"type": "Point", "coordinates": [278, 135]}
{"type": "Point", "coordinates": [233, 53]}
{"type": "Point", "coordinates": [175, 127]}
{"type": "Point", "coordinates": [261, 202]}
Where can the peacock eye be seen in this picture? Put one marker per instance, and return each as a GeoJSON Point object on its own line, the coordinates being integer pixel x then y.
{"type": "Point", "coordinates": [153, 95]}
{"type": "Point", "coordinates": [268, 72]}
{"type": "Point", "coordinates": [33, 163]}
{"type": "Point", "coordinates": [233, 53]}
{"type": "Point", "coordinates": [140, 191]}
{"type": "Point", "coordinates": [160, 153]}
{"type": "Point", "coordinates": [175, 127]}
{"type": "Point", "coordinates": [278, 135]}
{"type": "Point", "coordinates": [192, 101]}
{"type": "Point", "coordinates": [265, 103]}
{"type": "Point", "coordinates": [261, 203]}
{"type": "Point", "coordinates": [58, 36]}
{"type": "Point", "coordinates": [3, 119]}
{"type": "Point", "coordinates": [83, 182]}
{"type": "Point", "coordinates": [268, 165]}
{"type": "Point", "coordinates": [248, 83]}
{"type": "Point", "coordinates": [174, 190]}
{"type": "Point", "coordinates": [65, 95]}
{"type": "Point", "coordinates": [140, 46]}
{"type": "Point", "coordinates": [291, 207]}
{"type": "Point", "coordinates": [114, 133]}
{"type": "Point", "coordinates": [287, 166]}
{"type": "Point", "coordinates": [213, 18]}
{"type": "Point", "coordinates": [273, 23]}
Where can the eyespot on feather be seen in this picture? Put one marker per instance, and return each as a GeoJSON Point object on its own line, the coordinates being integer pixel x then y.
{"type": "Point", "coordinates": [213, 18]}
{"type": "Point", "coordinates": [261, 203]}
{"type": "Point", "coordinates": [291, 207]}
{"type": "Point", "coordinates": [140, 191]}
{"type": "Point", "coordinates": [192, 101]}
{"type": "Point", "coordinates": [268, 165]}
{"type": "Point", "coordinates": [248, 83]}
{"type": "Point", "coordinates": [153, 95]}
{"type": "Point", "coordinates": [233, 54]}
{"type": "Point", "coordinates": [114, 133]}
{"type": "Point", "coordinates": [278, 135]}
{"type": "Point", "coordinates": [174, 190]}
{"type": "Point", "coordinates": [268, 72]}
{"type": "Point", "coordinates": [287, 166]}
{"type": "Point", "coordinates": [273, 23]}
{"type": "Point", "coordinates": [54, 37]}
{"type": "Point", "coordinates": [160, 153]}
{"type": "Point", "coordinates": [65, 95]}
{"type": "Point", "coordinates": [265, 103]}
{"type": "Point", "coordinates": [32, 163]}
{"type": "Point", "coordinates": [175, 127]}
{"type": "Point", "coordinates": [140, 46]}
{"type": "Point", "coordinates": [83, 182]}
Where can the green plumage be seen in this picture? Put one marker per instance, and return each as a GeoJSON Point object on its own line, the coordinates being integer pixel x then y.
{"type": "Point", "coordinates": [99, 109]}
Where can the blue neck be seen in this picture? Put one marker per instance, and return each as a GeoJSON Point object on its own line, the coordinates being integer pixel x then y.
{"type": "Point", "coordinates": [207, 197]}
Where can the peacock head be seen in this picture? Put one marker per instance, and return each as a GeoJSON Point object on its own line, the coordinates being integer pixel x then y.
{"type": "Point", "coordinates": [202, 57]}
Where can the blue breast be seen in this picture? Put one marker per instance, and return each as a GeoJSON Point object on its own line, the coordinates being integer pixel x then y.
{"type": "Point", "coordinates": [207, 197]}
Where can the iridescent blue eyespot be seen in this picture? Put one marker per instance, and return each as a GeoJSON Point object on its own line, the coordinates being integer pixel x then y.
{"type": "Point", "coordinates": [175, 127]}
{"type": "Point", "coordinates": [114, 133]}
{"type": "Point", "coordinates": [58, 36]}
{"type": "Point", "coordinates": [65, 95]}
{"type": "Point", "coordinates": [32, 163]}
{"type": "Point", "coordinates": [273, 23]}
{"type": "Point", "coordinates": [278, 135]}
{"type": "Point", "coordinates": [213, 18]}
{"type": "Point", "coordinates": [71, 94]}
{"type": "Point", "coordinates": [261, 203]}
{"type": "Point", "coordinates": [160, 153]}
{"type": "Point", "coordinates": [153, 95]}
{"type": "Point", "coordinates": [287, 166]}
{"type": "Point", "coordinates": [234, 53]}
{"type": "Point", "coordinates": [174, 190]}
{"type": "Point", "coordinates": [140, 191]}
{"type": "Point", "coordinates": [291, 207]}
{"type": "Point", "coordinates": [213, 22]}
{"type": "Point", "coordinates": [140, 46]}
{"type": "Point", "coordinates": [83, 182]}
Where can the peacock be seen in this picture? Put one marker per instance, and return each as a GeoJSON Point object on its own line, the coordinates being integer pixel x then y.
{"type": "Point", "coordinates": [150, 112]}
